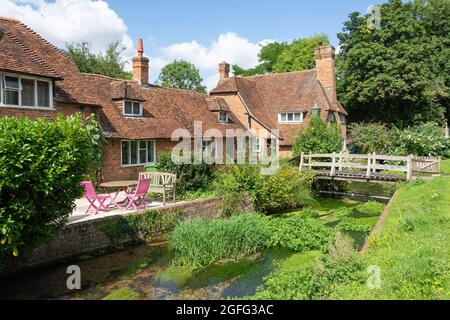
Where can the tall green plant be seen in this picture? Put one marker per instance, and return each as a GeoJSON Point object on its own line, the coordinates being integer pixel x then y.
{"type": "Point", "coordinates": [41, 166]}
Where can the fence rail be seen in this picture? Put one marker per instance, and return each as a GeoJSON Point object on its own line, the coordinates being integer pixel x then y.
{"type": "Point", "coordinates": [370, 163]}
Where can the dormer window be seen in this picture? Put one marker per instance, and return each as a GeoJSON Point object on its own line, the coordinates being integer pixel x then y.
{"type": "Point", "coordinates": [331, 117]}
{"type": "Point", "coordinates": [24, 91]}
{"type": "Point", "coordinates": [343, 118]}
{"type": "Point", "coordinates": [132, 109]}
{"type": "Point", "coordinates": [223, 117]}
{"type": "Point", "coordinates": [291, 117]}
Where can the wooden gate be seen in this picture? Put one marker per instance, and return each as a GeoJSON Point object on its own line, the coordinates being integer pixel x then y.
{"type": "Point", "coordinates": [426, 165]}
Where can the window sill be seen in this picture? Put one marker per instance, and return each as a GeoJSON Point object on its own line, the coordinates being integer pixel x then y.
{"type": "Point", "coordinates": [292, 122]}
{"type": "Point", "coordinates": [27, 108]}
{"type": "Point", "coordinates": [134, 117]}
{"type": "Point", "coordinates": [136, 165]}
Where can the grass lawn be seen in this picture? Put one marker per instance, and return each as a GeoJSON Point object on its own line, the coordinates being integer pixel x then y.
{"type": "Point", "coordinates": [445, 167]}
{"type": "Point", "coordinates": [412, 249]}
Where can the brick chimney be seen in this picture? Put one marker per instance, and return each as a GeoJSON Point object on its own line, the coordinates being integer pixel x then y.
{"type": "Point", "coordinates": [2, 32]}
{"type": "Point", "coordinates": [326, 73]}
{"type": "Point", "coordinates": [140, 65]}
{"type": "Point", "coordinates": [224, 70]}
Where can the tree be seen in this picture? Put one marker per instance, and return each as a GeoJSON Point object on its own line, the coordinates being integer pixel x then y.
{"type": "Point", "coordinates": [319, 137]}
{"type": "Point", "coordinates": [181, 74]}
{"type": "Point", "coordinates": [267, 57]}
{"type": "Point", "coordinates": [109, 64]}
{"type": "Point", "coordinates": [285, 57]}
{"type": "Point", "coordinates": [299, 55]}
{"type": "Point", "coordinates": [398, 73]}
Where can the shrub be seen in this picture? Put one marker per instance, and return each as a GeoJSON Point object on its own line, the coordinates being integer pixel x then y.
{"type": "Point", "coordinates": [41, 166]}
{"type": "Point", "coordinates": [190, 177]}
{"type": "Point", "coordinates": [299, 234]}
{"type": "Point", "coordinates": [368, 209]}
{"type": "Point", "coordinates": [199, 243]}
{"type": "Point", "coordinates": [319, 137]}
{"type": "Point", "coordinates": [422, 140]}
{"type": "Point", "coordinates": [286, 189]}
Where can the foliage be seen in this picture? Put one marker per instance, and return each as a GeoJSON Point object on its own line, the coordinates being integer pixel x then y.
{"type": "Point", "coordinates": [299, 55]}
{"type": "Point", "coordinates": [181, 74]}
{"type": "Point", "coordinates": [190, 177]}
{"type": "Point", "coordinates": [398, 73]}
{"type": "Point", "coordinates": [359, 224]}
{"type": "Point", "coordinates": [150, 225]}
{"type": "Point", "coordinates": [41, 167]}
{"type": "Point", "coordinates": [319, 137]}
{"type": "Point", "coordinates": [368, 209]}
{"type": "Point", "coordinates": [309, 282]}
{"type": "Point", "coordinates": [288, 188]}
{"type": "Point", "coordinates": [299, 234]}
{"type": "Point", "coordinates": [268, 57]}
{"type": "Point", "coordinates": [280, 57]}
{"type": "Point", "coordinates": [421, 140]}
{"type": "Point", "coordinates": [109, 64]}
{"type": "Point", "coordinates": [445, 167]}
{"type": "Point", "coordinates": [200, 242]}
{"type": "Point", "coordinates": [411, 248]}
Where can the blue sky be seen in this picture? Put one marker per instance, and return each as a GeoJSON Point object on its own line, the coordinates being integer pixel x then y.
{"type": "Point", "coordinates": [199, 31]}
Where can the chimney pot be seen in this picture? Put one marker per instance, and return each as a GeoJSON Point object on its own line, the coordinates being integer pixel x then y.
{"type": "Point", "coordinates": [224, 70]}
{"type": "Point", "coordinates": [140, 65]}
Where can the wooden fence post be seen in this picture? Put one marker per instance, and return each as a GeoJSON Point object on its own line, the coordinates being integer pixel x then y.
{"type": "Point", "coordinates": [369, 166]}
{"type": "Point", "coordinates": [409, 166]}
{"type": "Point", "coordinates": [374, 163]}
{"type": "Point", "coordinates": [302, 159]}
{"type": "Point", "coordinates": [333, 165]}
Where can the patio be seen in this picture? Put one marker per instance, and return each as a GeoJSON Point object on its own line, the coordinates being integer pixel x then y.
{"type": "Point", "coordinates": [80, 215]}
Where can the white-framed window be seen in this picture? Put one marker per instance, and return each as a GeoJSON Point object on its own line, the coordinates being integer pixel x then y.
{"type": "Point", "coordinates": [132, 109]}
{"type": "Point", "coordinates": [138, 152]}
{"type": "Point", "coordinates": [331, 117]}
{"type": "Point", "coordinates": [223, 117]}
{"type": "Point", "coordinates": [256, 142]}
{"type": "Point", "coordinates": [343, 118]}
{"type": "Point", "coordinates": [25, 92]}
{"type": "Point", "coordinates": [291, 117]}
{"type": "Point", "coordinates": [209, 147]}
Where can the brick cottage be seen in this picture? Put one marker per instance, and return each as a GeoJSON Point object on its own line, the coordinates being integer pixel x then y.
{"type": "Point", "coordinates": [39, 80]}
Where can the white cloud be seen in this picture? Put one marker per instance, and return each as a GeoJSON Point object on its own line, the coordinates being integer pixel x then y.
{"type": "Point", "coordinates": [65, 21]}
{"type": "Point", "coordinates": [227, 47]}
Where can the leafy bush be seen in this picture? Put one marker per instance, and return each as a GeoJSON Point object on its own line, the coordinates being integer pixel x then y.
{"type": "Point", "coordinates": [41, 166]}
{"type": "Point", "coordinates": [422, 140]}
{"type": "Point", "coordinates": [299, 234]}
{"type": "Point", "coordinates": [368, 209]}
{"type": "Point", "coordinates": [286, 189]}
{"type": "Point", "coordinates": [150, 225]}
{"type": "Point", "coordinates": [319, 137]}
{"type": "Point", "coordinates": [200, 242]}
{"type": "Point", "coordinates": [190, 177]}
{"type": "Point", "coordinates": [357, 224]}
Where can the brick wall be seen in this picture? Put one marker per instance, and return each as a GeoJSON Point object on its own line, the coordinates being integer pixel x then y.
{"type": "Point", "coordinates": [83, 237]}
{"type": "Point", "coordinates": [60, 109]}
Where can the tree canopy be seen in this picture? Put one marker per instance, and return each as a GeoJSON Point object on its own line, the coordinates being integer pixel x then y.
{"type": "Point", "coordinates": [398, 73]}
{"type": "Point", "coordinates": [109, 64]}
{"type": "Point", "coordinates": [181, 74]}
{"type": "Point", "coordinates": [280, 57]}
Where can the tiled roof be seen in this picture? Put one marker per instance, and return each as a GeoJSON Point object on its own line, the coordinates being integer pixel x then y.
{"type": "Point", "coordinates": [24, 51]}
{"type": "Point", "coordinates": [217, 104]}
{"type": "Point", "coordinates": [165, 110]}
{"type": "Point", "coordinates": [266, 96]}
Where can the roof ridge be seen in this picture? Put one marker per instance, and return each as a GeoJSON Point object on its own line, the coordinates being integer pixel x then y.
{"type": "Point", "coordinates": [9, 19]}
{"type": "Point", "coordinates": [102, 76]}
{"type": "Point", "coordinates": [280, 73]}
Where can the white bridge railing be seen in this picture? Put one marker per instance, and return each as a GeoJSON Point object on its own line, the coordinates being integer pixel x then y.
{"type": "Point", "coordinates": [368, 164]}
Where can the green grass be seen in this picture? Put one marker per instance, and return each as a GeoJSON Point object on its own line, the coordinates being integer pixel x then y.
{"type": "Point", "coordinates": [445, 167]}
{"type": "Point", "coordinates": [412, 249]}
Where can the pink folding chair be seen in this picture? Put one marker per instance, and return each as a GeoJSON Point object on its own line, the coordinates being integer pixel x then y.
{"type": "Point", "coordinates": [137, 197]}
{"type": "Point", "coordinates": [92, 196]}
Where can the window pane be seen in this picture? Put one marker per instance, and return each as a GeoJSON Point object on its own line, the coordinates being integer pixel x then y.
{"type": "Point", "coordinates": [283, 117]}
{"type": "Point", "coordinates": [43, 94]}
{"type": "Point", "coordinates": [134, 152]}
{"type": "Point", "coordinates": [142, 151]}
{"type": "Point", "coordinates": [290, 117]}
{"type": "Point", "coordinates": [28, 92]}
{"type": "Point", "coordinates": [125, 151]}
{"type": "Point", "coordinates": [151, 151]}
{"type": "Point", "coordinates": [128, 108]}
{"type": "Point", "coordinates": [11, 97]}
{"type": "Point", "coordinates": [136, 109]}
{"type": "Point", "coordinates": [297, 117]}
{"type": "Point", "coordinates": [12, 83]}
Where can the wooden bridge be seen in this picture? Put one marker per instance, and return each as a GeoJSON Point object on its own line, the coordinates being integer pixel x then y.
{"type": "Point", "coordinates": [367, 167]}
